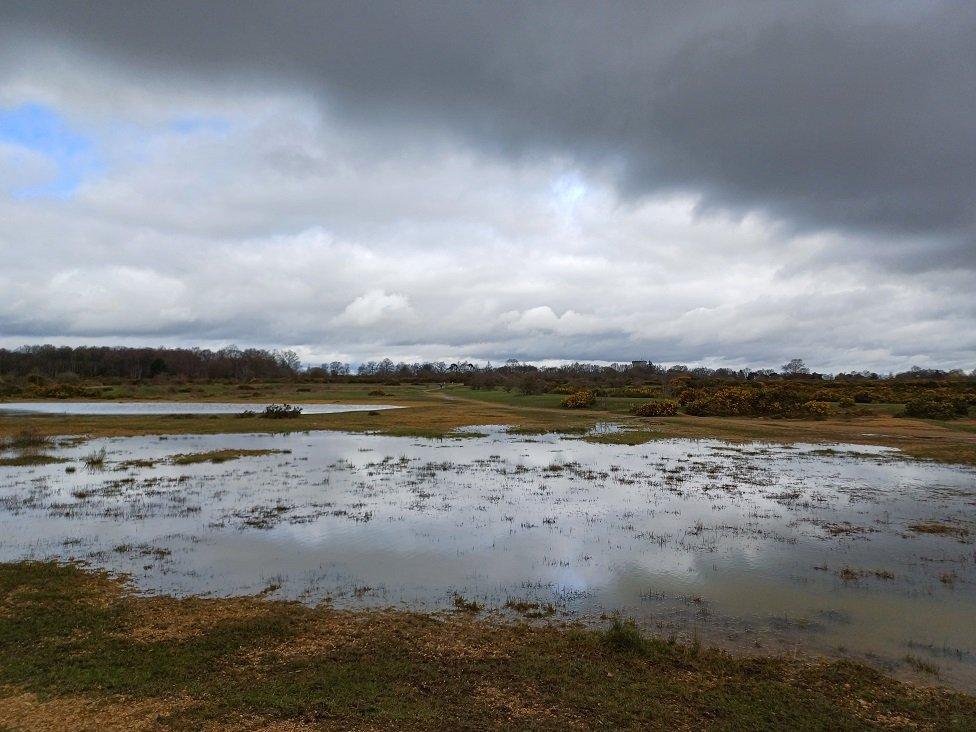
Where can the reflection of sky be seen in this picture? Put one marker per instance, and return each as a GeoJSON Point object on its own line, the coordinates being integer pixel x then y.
{"type": "Point", "coordinates": [41, 130]}
{"type": "Point", "coordinates": [486, 518]}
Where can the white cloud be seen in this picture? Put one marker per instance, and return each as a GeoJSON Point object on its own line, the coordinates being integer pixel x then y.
{"type": "Point", "coordinates": [543, 319]}
{"type": "Point", "coordinates": [279, 226]}
{"type": "Point", "coordinates": [374, 307]}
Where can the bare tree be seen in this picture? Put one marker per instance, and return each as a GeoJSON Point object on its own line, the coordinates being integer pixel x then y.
{"type": "Point", "coordinates": [795, 366]}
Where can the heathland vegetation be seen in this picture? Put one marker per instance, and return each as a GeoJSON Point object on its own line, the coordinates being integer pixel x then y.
{"type": "Point", "coordinates": [923, 412]}
{"type": "Point", "coordinates": [76, 645]}
{"type": "Point", "coordinates": [50, 372]}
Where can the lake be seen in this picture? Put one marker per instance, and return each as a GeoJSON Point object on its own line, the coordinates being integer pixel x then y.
{"type": "Point", "coordinates": [836, 549]}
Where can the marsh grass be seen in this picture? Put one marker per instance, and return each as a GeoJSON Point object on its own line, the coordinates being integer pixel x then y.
{"type": "Point", "coordinates": [464, 605]}
{"type": "Point", "coordinates": [95, 460]}
{"type": "Point", "coordinates": [624, 635]}
{"type": "Point", "coordinates": [83, 639]}
{"type": "Point", "coordinates": [939, 529]}
{"type": "Point", "coordinates": [221, 456]}
{"type": "Point", "coordinates": [29, 439]}
{"type": "Point", "coordinates": [30, 446]}
{"type": "Point", "coordinates": [28, 458]}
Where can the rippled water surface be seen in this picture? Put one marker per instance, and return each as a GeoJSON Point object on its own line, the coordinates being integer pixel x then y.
{"type": "Point", "coordinates": [823, 548]}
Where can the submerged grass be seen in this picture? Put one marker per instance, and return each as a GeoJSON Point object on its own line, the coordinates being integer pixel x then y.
{"type": "Point", "coordinates": [220, 456]}
{"type": "Point", "coordinates": [81, 645]}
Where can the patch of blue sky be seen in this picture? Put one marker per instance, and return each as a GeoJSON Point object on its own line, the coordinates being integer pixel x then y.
{"type": "Point", "coordinates": [42, 130]}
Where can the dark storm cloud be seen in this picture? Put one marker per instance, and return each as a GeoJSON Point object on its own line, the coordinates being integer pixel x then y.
{"type": "Point", "coordinates": [859, 117]}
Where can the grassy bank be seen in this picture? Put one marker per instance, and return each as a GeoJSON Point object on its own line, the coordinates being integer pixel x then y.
{"type": "Point", "coordinates": [436, 412]}
{"type": "Point", "coordinates": [77, 650]}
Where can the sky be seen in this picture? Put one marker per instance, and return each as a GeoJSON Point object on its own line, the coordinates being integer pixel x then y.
{"type": "Point", "coordinates": [729, 184]}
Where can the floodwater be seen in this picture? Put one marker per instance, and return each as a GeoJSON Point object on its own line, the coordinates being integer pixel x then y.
{"type": "Point", "coordinates": [156, 408]}
{"type": "Point", "coordinates": [824, 549]}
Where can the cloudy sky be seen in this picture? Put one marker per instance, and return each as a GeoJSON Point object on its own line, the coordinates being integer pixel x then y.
{"type": "Point", "coordinates": [719, 183]}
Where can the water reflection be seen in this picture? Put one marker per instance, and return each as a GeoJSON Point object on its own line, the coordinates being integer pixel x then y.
{"type": "Point", "coordinates": [831, 549]}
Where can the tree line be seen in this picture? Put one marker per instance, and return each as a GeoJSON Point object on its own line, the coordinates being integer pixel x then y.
{"type": "Point", "coordinates": [66, 363]}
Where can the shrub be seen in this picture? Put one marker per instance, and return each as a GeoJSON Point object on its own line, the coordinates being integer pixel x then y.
{"type": "Point", "coordinates": [662, 408]}
{"type": "Point", "coordinates": [845, 403]}
{"type": "Point", "coordinates": [58, 391]}
{"type": "Point", "coordinates": [281, 411]}
{"type": "Point", "coordinates": [936, 406]}
{"type": "Point", "coordinates": [818, 409]}
{"type": "Point", "coordinates": [637, 392]}
{"type": "Point", "coordinates": [579, 400]}
{"type": "Point", "coordinates": [743, 401]}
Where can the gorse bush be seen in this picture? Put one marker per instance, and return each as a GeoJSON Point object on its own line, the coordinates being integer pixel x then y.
{"type": "Point", "coordinates": [636, 392]}
{"type": "Point", "coordinates": [579, 400]}
{"type": "Point", "coordinates": [58, 391]}
{"type": "Point", "coordinates": [818, 409]}
{"type": "Point", "coordinates": [934, 405]}
{"type": "Point", "coordinates": [744, 401]}
{"type": "Point", "coordinates": [662, 408]}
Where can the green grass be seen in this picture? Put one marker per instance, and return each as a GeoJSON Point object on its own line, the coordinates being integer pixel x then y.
{"type": "Point", "coordinates": [65, 633]}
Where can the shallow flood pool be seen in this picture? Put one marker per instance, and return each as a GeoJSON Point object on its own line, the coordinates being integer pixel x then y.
{"type": "Point", "coordinates": [844, 550]}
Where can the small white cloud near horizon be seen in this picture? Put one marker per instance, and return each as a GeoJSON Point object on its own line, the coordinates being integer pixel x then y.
{"type": "Point", "coordinates": [373, 307]}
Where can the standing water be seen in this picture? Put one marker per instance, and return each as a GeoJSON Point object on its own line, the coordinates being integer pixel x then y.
{"type": "Point", "coordinates": [843, 550]}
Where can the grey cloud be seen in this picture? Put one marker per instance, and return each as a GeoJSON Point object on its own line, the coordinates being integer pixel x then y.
{"type": "Point", "coordinates": [830, 116]}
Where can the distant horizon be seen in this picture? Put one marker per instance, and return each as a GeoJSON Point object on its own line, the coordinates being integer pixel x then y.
{"type": "Point", "coordinates": [538, 363]}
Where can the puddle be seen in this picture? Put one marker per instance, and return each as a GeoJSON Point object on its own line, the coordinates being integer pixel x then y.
{"type": "Point", "coordinates": [753, 546]}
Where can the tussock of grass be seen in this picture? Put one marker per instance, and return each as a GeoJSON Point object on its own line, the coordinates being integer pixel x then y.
{"type": "Point", "coordinates": [624, 635]}
{"type": "Point", "coordinates": [95, 459]}
{"type": "Point", "coordinates": [82, 642]}
{"type": "Point", "coordinates": [220, 456]}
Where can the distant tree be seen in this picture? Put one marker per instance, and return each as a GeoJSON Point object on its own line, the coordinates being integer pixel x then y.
{"type": "Point", "coordinates": [795, 366]}
{"type": "Point", "coordinates": [290, 360]}
{"type": "Point", "coordinates": [531, 383]}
